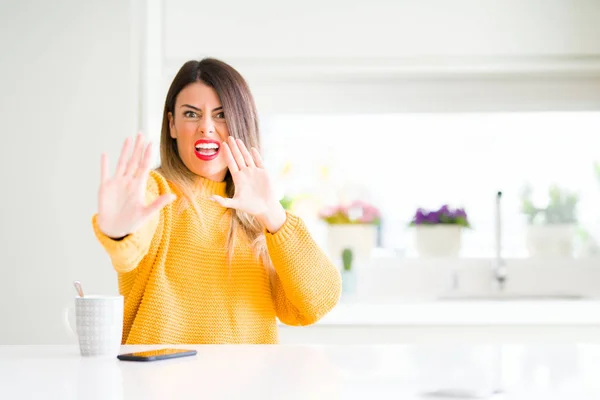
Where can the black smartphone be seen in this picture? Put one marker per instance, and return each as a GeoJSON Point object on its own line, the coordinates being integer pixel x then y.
{"type": "Point", "coordinates": [155, 355]}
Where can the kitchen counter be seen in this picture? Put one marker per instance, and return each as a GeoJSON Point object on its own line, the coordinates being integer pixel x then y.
{"type": "Point", "coordinates": [503, 371]}
{"type": "Point", "coordinates": [465, 312]}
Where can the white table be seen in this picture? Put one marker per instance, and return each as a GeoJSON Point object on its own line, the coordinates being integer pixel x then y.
{"type": "Point", "coordinates": [521, 371]}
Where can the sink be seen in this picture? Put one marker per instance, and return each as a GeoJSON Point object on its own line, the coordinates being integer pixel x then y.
{"type": "Point", "coordinates": [511, 297]}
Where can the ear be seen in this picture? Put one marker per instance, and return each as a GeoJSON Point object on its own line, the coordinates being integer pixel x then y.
{"type": "Point", "coordinates": [171, 125]}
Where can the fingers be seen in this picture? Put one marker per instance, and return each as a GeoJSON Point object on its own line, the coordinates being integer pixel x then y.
{"type": "Point", "coordinates": [233, 167]}
{"type": "Point", "coordinates": [123, 157]}
{"type": "Point", "coordinates": [159, 204]}
{"type": "Point", "coordinates": [237, 154]}
{"type": "Point", "coordinates": [144, 167]}
{"type": "Point", "coordinates": [224, 202]}
{"type": "Point", "coordinates": [247, 157]}
{"type": "Point", "coordinates": [134, 161]}
{"type": "Point", "coordinates": [103, 168]}
{"type": "Point", "coordinates": [257, 158]}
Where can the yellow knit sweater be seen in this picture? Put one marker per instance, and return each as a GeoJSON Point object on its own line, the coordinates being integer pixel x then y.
{"type": "Point", "coordinates": [179, 289]}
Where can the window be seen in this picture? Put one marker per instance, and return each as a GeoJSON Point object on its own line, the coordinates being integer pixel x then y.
{"type": "Point", "coordinates": [401, 162]}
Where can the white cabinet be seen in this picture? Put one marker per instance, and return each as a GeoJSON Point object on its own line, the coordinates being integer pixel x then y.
{"type": "Point", "coordinates": [385, 57]}
{"type": "Point", "coordinates": [380, 30]}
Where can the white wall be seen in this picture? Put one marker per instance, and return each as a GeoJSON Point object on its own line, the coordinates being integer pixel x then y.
{"type": "Point", "coordinates": [69, 80]}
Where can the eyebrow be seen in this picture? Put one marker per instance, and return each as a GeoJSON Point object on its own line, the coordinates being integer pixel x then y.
{"type": "Point", "coordinates": [197, 109]}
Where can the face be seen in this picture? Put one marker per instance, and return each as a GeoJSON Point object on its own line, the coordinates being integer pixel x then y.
{"type": "Point", "coordinates": [198, 124]}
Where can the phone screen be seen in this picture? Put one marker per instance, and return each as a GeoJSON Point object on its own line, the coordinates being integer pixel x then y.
{"type": "Point", "coordinates": [159, 352]}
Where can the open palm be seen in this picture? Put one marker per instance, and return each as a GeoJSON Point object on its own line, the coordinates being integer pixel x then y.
{"type": "Point", "coordinates": [122, 207]}
{"type": "Point", "coordinates": [253, 189]}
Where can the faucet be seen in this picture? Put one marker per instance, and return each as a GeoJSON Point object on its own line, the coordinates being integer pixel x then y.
{"type": "Point", "coordinates": [498, 264]}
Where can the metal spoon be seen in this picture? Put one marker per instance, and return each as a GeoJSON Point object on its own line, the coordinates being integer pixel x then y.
{"type": "Point", "coordinates": [78, 287]}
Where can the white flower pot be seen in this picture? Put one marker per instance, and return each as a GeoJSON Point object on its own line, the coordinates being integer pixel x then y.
{"type": "Point", "coordinates": [360, 238]}
{"type": "Point", "coordinates": [442, 240]}
{"type": "Point", "coordinates": [550, 241]}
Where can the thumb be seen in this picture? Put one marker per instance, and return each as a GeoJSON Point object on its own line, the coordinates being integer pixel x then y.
{"type": "Point", "coordinates": [159, 204]}
{"type": "Point", "coordinates": [225, 202]}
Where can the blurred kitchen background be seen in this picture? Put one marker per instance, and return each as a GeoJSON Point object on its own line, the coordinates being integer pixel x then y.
{"type": "Point", "coordinates": [373, 114]}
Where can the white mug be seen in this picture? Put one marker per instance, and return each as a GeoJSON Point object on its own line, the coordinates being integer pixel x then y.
{"type": "Point", "coordinates": [99, 325]}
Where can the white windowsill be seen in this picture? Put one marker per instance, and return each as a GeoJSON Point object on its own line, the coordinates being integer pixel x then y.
{"type": "Point", "coordinates": [469, 312]}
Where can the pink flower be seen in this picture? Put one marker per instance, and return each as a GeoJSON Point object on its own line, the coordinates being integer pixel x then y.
{"type": "Point", "coordinates": [357, 212]}
{"type": "Point", "coordinates": [328, 211]}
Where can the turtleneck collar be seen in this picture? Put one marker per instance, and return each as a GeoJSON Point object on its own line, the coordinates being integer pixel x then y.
{"type": "Point", "coordinates": [208, 187]}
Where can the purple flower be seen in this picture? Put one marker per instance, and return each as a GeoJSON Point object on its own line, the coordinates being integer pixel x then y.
{"type": "Point", "coordinates": [420, 216]}
{"type": "Point", "coordinates": [433, 217]}
{"type": "Point", "coordinates": [445, 215]}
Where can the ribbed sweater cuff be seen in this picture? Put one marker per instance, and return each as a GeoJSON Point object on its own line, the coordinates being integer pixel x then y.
{"type": "Point", "coordinates": [290, 226]}
{"type": "Point", "coordinates": [123, 252]}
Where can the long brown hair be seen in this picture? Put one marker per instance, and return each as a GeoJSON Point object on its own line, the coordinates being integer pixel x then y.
{"type": "Point", "coordinates": [242, 122]}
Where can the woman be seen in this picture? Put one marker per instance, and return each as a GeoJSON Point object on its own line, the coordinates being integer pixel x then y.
{"type": "Point", "coordinates": [203, 250]}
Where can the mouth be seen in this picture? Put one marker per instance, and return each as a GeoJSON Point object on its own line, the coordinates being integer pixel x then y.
{"type": "Point", "coordinates": [206, 149]}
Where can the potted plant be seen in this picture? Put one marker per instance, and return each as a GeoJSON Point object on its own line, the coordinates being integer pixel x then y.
{"type": "Point", "coordinates": [550, 228]}
{"type": "Point", "coordinates": [353, 227]}
{"type": "Point", "coordinates": [438, 233]}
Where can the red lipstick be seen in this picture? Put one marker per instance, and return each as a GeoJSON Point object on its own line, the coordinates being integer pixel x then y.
{"type": "Point", "coordinates": [206, 150]}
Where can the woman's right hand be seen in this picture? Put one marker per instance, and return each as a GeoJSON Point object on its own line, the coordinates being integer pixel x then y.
{"type": "Point", "coordinates": [122, 208]}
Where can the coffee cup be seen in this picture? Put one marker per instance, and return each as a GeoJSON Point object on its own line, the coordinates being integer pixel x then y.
{"type": "Point", "coordinates": [98, 325]}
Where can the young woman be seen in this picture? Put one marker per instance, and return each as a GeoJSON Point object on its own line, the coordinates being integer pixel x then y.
{"type": "Point", "coordinates": [203, 250]}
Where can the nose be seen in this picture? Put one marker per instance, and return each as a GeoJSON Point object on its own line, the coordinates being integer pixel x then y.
{"type": "Point", "coordinates": [206, 125]}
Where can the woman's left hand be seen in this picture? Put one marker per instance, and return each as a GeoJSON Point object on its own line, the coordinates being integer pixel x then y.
{"type": "Point", "coordinates": [254, 193]}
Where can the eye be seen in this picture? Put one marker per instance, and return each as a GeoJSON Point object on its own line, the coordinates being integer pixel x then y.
{"type": "Point", "coordinates": [220, 115]}
{"type": "Point", "coordinates": [190, 114]}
